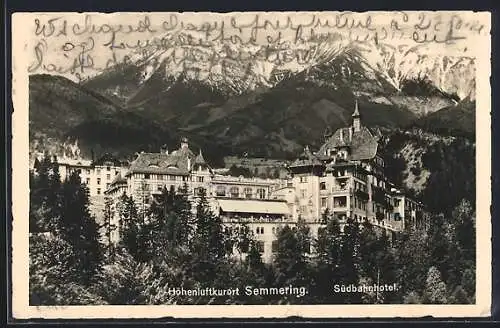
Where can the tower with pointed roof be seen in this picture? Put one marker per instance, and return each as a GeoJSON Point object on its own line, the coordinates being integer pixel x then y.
{"type": "Point", "coordinates": [356, 118]}
{"type": "Point", "coordinates": [201, 173]}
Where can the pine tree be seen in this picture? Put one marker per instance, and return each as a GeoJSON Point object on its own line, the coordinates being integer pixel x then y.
{"type": "Point", "coordinates": [290, 262]}
{"type": "Point", "coordinates": [169, 222]}
{"type": "Point", "coordinates": [79, 228]}
{"type": "Point", "coordinates": [129, 225]}
{"type": "Point", "coordinates": [439, 245]}
{"type": "Point", "coordinates": [243, 239]}
{"type": "Point", "coordinates": [387, 264]}
{"type": "Point", "coordinates": [349, 259]}
{"type": "Point", "coordinates": [252, 272]}
{"type": "Point", "coordinates": [44, 190]}
{"type": "Point", "coordinates": [369, 252]}
{"type": "Point", "coordinates": [328, 247]}
{"type": "Point", "coordinates": [209, 233]}
{"type": "Point", "coordinates": [435, 288]}
{"type": "Point", "coordinates": [463, 255]}
{"type": "Point", "coordinates": [124, 280]}
{"type": "Point", "coordinates": [108, 225]}
{"type": "Point", "coordinates": [412, 261]}
{"type": "Point", "coordinates": [208, 247]}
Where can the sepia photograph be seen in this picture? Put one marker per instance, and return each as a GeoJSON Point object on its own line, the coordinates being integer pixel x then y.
{"type": "Point", "coordinates": [286, 160]}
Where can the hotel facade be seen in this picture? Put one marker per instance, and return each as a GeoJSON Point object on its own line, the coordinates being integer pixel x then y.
{"type": "Point", "coordinates": [344, 177]}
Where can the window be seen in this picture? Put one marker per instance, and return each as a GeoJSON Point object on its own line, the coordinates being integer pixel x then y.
{"type": "Point", "coordinates": [146, 176]}
{"type": "Point", "coordinates": [184, 178]}
{"type": "Point", "coordinates": [87, 181]}
{"type": "Point", "coordinates": [234, 191]}
{"type": "Point", "coordinates": [274, 246]}
{"type": "Point", "coordinates": [198, 191]}
{"type": "Point", "coordinates": [199, 179]}
{"type": "Point", "coordinates": [107, 185]}
{"type": "Point", "coordinates": [303, 179]}
{"type": "Point", "coordinates": [88, 171]}
{"type": "Point", "coordinates": [108, 176]}
{"type": "Point", "coordinates": [340, 201]}
{"type": "Point", "coordinates": [303, 193]}
{"type": "Point", "coordinates": [248, 192]}
{"type": "Point", "coordinates": [220, 191]}
{"type": "Point", "coordinates": [159, 187]}
{"type": "Point", "coordinates": [108, 168]}
{"type": "Point", "coordinates": [303, 209]}
{"type": "Point", "coordinates": [322, 186]}
{"type": "Point", "coordinates": [172, 178]}
{"type": "Point", "coordinates": [260, 246]}
{"type": "Point", "coordinates": [98, 181]}
{"type": "Point", "coordinates": [98, 171]}
{"type": "Point", "coordinates": [98, 191]}
{"type": "Point", "coordinates": [257, 230]}
{"type": "Point", "coordinates": [261, 193]}
{"type": "Point", "coordinates": [116, 172]}
{"type": "Point", "coordinates": [323, 202]}
{"type": "Point", "coordinates": [261, 230]}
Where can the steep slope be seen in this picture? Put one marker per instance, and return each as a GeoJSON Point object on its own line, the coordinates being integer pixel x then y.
{"type": "Point", "coordinates": [58, 104]}
{"type": "Point", "coordinates": [459, 119]}
{"type": "Point", "coordinates": [438, 170]}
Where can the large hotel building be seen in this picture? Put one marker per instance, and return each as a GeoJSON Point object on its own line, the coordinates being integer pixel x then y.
{"type": "Point", "coordinates": [345, 176]}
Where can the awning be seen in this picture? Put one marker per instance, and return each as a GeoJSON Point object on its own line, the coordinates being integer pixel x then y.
{"type": "Point", "coordinates": [253, 206]}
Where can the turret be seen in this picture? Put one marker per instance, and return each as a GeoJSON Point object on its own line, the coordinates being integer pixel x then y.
{"type": "Point", "coordinates": [184, 143]}
{"type": "Point", "coordinates": [356, 118]}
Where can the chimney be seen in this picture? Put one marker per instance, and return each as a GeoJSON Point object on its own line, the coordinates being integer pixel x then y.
{"type": "Point", "coordinates": [184, 143]}
{"type": "Point", "coordinates": [164, 149]}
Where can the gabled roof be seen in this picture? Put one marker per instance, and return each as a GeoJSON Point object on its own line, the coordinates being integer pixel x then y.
{"type": "Point", "coordinates": [118, 179]}
{"type": "Point", "coordinates": [307, 158]}
{"type": "Point", "coordinates": [362, 144]}
{"type": "Point", "coordinates": [199, 160]}
{"type": "Point", "coordinates": [176, 163]}
{"type": "Point", "coordinates": [108, 159]}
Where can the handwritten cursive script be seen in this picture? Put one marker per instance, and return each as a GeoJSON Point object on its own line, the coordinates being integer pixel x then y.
{"type": "Point", "coordinates": [222, 44]}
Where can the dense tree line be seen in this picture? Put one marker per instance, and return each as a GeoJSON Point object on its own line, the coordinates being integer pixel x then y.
{"type": "Point", "coordinates": [177, 244]}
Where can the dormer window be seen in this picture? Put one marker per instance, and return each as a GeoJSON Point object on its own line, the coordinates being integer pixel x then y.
{"type": "Point", "coordinates": [342, 154]}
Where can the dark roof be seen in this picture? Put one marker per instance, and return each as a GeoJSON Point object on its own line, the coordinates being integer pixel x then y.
{"type": "Point", "coordinates": [107, 159]}
{"type": "Point", "coordinates": [307, 159]}
{"type": "Point", "coordinates": [118, 179]}
{"type": "Point", "coordinates": [356, 110]}
{"type": "Point", "coordinates": [199, 160]}
{"type": "Point", "coordinates": [362, 144]}
{"type": "Point", "coordinates": [175, 163]}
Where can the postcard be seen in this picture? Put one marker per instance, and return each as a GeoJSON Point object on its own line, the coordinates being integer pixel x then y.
{"type": "Point", "coordinates": [251, 165]}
